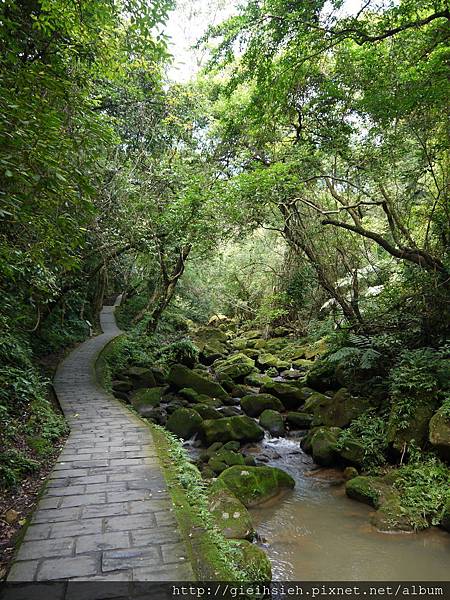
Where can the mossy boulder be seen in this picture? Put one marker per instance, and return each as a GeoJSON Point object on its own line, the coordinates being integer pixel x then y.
{"type": "Point", "coordinates": [439, 432]}
{"type": "Point", "coordinates": [250, 352]}
{"type": "Point", "coordinates": [239, 343]}
{"type": "Point", "coordinates": [321, 377]}
{"type": "Point", "coordinates": [324, 446]}
{"type": "Point", "coordinates": [255, 485]}
{"type": "Point", "coordinates": [350, 473]}
{"type": "Point", "coordinates": [255, 404]}
{"type": "Point", "coordinates": [305, 442]}
{"type": "Point", "coordinates": [257, 379]}
{"type": "Point", "coordinates": [342, 409]}
{"type": "Point", "coordinates": [299, 420]}
{"type": "Point", "coordinates": [260, 344]}
{"type": "Point", "coordinates": [207, 412]}
{"type": "Point", "coordinates": [252, 334]}
{"type": "Point", "coordinates": [353, 452]}
{"type": "Point", "coordinates": [184, 423]}
{"type": "Point", "coordinates": [315, 405]}
{"type": "Point", "coordinates": [266, 360]}
{"type": "Point", "coordinates": [211, 450]}
{"type": "Point", "coordinates": [229, 411]}
{"type": "Point", "coordinates": [141, 377]}
{"type": "Point", "coordinates": [194, 397]}
{"type": "Point", "coordinates": [183, 377]}
{"type": "Point", "coordinates": [254, 560]}
{"type": "Point", "coordinates": [240, 390]}
{"type": "Point", "coordinates": [238, 428]}
{"type": "Point", "coordinates": [415, 426]}
{"type": "Point", "coordinates": [234, 367]}
{"type": "Point", "coordinates": [229, 457]}
{"type": "Point", "coordinates": [290, 396]}
{"type": "Point", "coordinates": [369, 490]}
{"type": "Point", "coordinates": [302, 363]}
{"type": "Point", "coordinates": [216, 465]}
{"type": "Point", "coordinates": [122, 385]}
{"type": "Point", "coordinates": [230, 515]}
{"type": "Point", "coordinates": [272, 421]}
{"type": "Point", "coordinates": [210, 339]}
{"type": "Point", "coordinates": [144, 399]}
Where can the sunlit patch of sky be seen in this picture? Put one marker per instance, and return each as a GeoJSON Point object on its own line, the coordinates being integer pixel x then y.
{"type": "Point", "coordinates": [190, 20]}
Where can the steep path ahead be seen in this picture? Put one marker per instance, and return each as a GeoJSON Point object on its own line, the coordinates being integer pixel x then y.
{"type": "Point", "coordinates": [105, 514]}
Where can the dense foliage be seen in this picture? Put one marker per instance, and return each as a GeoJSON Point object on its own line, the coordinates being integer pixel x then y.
{"type": "Point", "coordinates": [301, 179]}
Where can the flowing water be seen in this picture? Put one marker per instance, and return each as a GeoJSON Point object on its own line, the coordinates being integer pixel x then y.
{"type": "Point", "coordinates": [316, 533]}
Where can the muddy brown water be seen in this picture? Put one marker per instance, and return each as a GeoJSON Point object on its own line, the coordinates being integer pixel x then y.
{"type": "Point", "coordinates": [316, 533]}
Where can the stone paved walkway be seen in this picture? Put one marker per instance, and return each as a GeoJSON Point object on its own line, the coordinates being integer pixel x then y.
{"type": "Point", "coordinates": [105, 514]}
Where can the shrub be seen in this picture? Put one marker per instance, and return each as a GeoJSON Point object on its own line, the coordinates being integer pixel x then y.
{"type": "Point", "coordinates": [370, 430]}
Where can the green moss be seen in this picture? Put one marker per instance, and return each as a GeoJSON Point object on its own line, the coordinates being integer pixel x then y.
{"type": "Point", "coordinates": [147, 397]}
{"type": "Point", "coordinates": [184, 422]}
{"type": "Point", "coordinates": [236, 366]}
{"type": "Point", "coordinates": [255, 485]}
{"type": "Point", "coordinates": [368, 490]}
{"type": "Point", "coordinates": [182, 377]}
{"type": "Point", "coordinates": [231, 516]}
{"type": "Point", "coordinates": [254, 404]}
{"type": "Point", "coordinates": [272, 421]}
{"type": "Point", "coordinates": [241, 429]}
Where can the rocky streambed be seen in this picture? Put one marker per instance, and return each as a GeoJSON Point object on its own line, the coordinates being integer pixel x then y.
{"type": "Point", "coordinates": [262, 422]}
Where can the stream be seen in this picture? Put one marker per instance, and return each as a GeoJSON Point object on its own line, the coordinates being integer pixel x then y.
{"type": "Point", "coordinates": [316, 533]}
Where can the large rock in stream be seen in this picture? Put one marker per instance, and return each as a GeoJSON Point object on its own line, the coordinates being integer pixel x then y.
{"type": "Point", "coordinates": [183, 377]}
{"type": "Point", "coordinates": [235, 367]}
{"type": "Point", "coordinates": [342, 409]}
{"type": "Point", "coordinates": [290, 396]}
{"type": "Point", "coordinates": [230, 515]}
{"type": "Point", "coordinates": [145, 399]}
{"type": "Point", "coordinates": [184, 423]}
{"type": "Point", "coordinates": [238, 428]}
{"type": "Point", "coordinates": [253, 405]}
{"type": "Point", "coordinates": [255, 485]}
{"type": "Point", "coordinates": [272, 421]}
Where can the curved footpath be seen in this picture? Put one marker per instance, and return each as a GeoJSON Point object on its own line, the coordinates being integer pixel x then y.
{"type": "Point", "coordinates": [105, 514]}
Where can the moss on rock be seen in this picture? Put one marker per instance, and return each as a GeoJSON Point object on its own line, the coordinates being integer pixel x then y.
{"type": "Point", "coordinates": [207, 412]}
{"type": "Point", "coordinates": [235, 367]}
{"type": "Point", "coordinates": [342, 409]}
{"type": "Point", "coordinates": [254, 405]}
{"type": "Point", "coordinates": [299, 420]}
{"type": "Point", "coordinates": [145, 399]}
{"type": "Point", "coordinates": [266, 360]}
{"type": "Point", "coordinates": [402, 429]}
{"type": "Point", "coordinates": [184, 423]}
{"type": "Point", "coordinates": [255, 485]}
{"type": "Point", "coordinates": [290, 396]}
{"type": "Point", "coordinates": [369, 490]}
{"type": "Point", "coordinates": [321, 377]}
{"type": "Point", "coordinates": [238, 428]}
{"type": "Point", "coordinates": [257, 379]}
{"type": "Point", "coordinates": [272, 421]}
{"type": "Point", "coordinates": [182, 377]}
{"type": "Point", "coordinates": [439, 432]}
{"type": "Point", "coordinates": [323, 445]}
{"type": "Point", "coordinates": [231, 516]}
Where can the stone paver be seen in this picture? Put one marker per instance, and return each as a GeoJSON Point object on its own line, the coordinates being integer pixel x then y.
{"type": "Point", "coordinates": [105, 514]}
